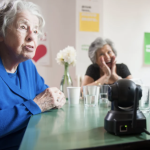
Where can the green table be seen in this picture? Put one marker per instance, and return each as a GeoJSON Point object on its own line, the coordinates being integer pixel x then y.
{"type": "Point", "coordinates": [75, 127]}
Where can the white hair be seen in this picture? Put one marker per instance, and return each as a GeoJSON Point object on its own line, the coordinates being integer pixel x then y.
{"type": "Point", "coordinates": [10, 8]}
{"type": "Point", "coordinates": [96, 45]}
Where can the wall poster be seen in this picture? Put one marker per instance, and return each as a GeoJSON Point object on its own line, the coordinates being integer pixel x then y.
{"type": "Point", "coordinates": [89, 21]}
{"type": "Point", "coordinates": [146, 48]}
{"type": "Point", "coordinates": [42, 55]}
{"type": "Point", "coordinates": [88, 28]}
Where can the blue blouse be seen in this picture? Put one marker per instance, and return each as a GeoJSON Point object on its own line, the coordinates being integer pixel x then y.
{"type": "Point", "coordinates": [16, 102]}
{"type": "Point", "coordinates": [15, 78]}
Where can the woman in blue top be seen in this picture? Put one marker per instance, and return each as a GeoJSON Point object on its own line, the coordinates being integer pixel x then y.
{"type": "Point", "coordinates": [22, 90]}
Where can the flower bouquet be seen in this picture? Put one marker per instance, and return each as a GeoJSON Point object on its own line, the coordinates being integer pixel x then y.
{"type": "Point", "coordinates": [66, 57]}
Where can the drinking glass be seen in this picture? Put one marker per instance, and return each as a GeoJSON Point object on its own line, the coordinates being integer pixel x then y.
{"type": "Point", "coordinates": [73, 95]}
{"type": "Point", "coordinates": [144, 103]}
{"type": "Point", "coordinates": [90, 94]}
{"type": "Point", "coordinates": [103, 95]}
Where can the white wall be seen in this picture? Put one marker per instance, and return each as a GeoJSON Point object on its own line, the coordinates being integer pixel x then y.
{"type": "Point", "coordinates": [125, 22]}
{"type": "Point", "coordinates": [60, 27]}
{"type": "Point", "coordinates": [86, 38]}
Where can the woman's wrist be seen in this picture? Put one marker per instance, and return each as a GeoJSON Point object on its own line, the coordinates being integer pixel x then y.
{"type": "Point", "coordinates": [97, 82]}
{"type": "Point", "coordinates": [116, 77]}
{"type": "Point", "coordinates": [119, 77]}
{"type": "Point", "coordinates": [102, 80]}
{"type": "Point", "coordinates": [105, 77]}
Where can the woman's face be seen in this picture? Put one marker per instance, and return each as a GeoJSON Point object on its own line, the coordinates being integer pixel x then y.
{"type": "Point", "coordinates": [21, 37]}
{"type": "Point", "coordinates": [107, 53]}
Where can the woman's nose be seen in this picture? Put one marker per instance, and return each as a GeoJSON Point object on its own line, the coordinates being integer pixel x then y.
{"type": "Point", "coordinates": [30, 36]}
{"type": "Point", "coordinates": [106, 57]}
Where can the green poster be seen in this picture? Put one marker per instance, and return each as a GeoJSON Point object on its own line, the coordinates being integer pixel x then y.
{"type": "Point", "coordinates": [147, 48]}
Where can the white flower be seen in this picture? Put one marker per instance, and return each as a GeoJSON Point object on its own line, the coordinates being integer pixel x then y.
{"type": "Point", "coordinates": [67, 55]}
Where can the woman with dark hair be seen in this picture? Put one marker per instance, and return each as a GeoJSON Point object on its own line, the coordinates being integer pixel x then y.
{"type": "Point", "coordinates": [23, 92]}
{"type": "Point", "coordinates": [104, 69]}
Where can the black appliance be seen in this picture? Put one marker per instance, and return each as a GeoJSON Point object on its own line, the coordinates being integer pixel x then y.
{"type": "Point", "coordinates": [125, 117]}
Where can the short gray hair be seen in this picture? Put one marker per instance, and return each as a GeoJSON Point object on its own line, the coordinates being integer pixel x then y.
{"type": "Point", "coordinates": [96, 45]}
{"type": "Point", "coordinates": [9, 9]}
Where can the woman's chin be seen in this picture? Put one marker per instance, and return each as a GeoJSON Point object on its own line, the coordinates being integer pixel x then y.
{"type": "Point", "coordinates": [109, 65]}
{"type": "Point", "coordinates": [26, 57]}
{"type": "Point", "coordinates": [29, 55]}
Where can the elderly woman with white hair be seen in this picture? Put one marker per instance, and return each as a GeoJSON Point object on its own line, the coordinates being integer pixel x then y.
{"type": "Point", "coordinates": [22, 90]}
{"type": "Point", "coordinates": [104, 69]}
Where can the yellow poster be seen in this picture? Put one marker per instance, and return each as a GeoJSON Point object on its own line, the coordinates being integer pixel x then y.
{"type": "Point", "coordinates": [89, 22]}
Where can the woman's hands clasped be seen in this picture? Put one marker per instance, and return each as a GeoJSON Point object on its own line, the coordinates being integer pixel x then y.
{"type": "Point", "coordinates": [109, 73]}
{"type": "Point", "coordinates": [50, 98]}
{"type": "Point", "coordinates": [104, 67]}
